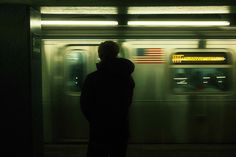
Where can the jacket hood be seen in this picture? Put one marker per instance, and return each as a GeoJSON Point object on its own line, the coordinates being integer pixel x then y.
{"type": "Point", "coordinates": [116, 66]}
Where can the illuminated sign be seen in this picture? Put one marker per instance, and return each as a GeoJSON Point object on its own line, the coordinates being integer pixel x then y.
{"type": "Point", "coordinates": [200, 58]}
{"type": "Point", "coordinates": [181, 58]}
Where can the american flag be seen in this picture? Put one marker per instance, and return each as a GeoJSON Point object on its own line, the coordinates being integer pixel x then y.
{"type": "Point", "coordinates": [149, 56]}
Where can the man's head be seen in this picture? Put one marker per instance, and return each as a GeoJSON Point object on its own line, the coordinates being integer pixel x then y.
{"type": "Point", "coordinates": [108, 50]}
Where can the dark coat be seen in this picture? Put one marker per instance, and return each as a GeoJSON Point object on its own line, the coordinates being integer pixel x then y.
{"type": "Point", "coordinates": [106, 97]}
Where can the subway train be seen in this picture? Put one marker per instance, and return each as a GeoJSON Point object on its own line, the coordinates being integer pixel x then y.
{"type": "Point", "coordinates": [185, 90]}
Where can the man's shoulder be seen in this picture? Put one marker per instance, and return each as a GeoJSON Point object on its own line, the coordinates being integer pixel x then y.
{"type": "Point", "coordinates": [92, 75]}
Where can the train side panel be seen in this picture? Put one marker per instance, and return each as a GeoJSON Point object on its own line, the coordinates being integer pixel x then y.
{"type": "Point", "coordinates": [161, 111]}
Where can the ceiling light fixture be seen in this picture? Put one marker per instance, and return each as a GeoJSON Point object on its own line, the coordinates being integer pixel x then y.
{"type": "Point", "coordinates": [79, 23]}
{"type": "Point", "coordinates": [178, 23]}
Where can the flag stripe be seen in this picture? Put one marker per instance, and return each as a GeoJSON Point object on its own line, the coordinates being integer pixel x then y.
{"type": "Point", "coordinates": [153, 54]}
{"type": "Point", "coordinates": [148, 62]}
{"type": "Point", "coordinates": [148, 59]}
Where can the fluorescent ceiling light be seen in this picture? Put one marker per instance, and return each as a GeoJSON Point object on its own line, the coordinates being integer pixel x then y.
{"type": "Point", "coordinates": [79, 23]}
{"type": "Point", "coordinates": [78, 10]}
{"type": "Point", "coordinates": [179, 23]}
{"type": "Point", "coordinates": [180, 10]}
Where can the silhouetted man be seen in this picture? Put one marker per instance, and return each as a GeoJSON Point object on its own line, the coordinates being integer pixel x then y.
{"type": "Point", "coordinates": [105, 100]}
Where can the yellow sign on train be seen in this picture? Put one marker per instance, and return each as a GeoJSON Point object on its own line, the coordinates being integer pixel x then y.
{"type": "Point", "coordinates": [200, 58]}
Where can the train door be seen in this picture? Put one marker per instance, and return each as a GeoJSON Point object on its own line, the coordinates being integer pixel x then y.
{"type": "Point", "coordinates": [65, 66]}
{"type": "Point", "coordinates": [202, 79]}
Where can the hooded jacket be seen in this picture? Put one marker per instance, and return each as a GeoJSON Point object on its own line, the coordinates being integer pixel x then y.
{"type": "Point", "coordinates": [107, 94]}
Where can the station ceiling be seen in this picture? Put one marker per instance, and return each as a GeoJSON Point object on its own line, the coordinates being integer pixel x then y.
{"type": "Point", "coordinates": [120, 2]}
{"type": "Point", "coordinates": [123, 16]}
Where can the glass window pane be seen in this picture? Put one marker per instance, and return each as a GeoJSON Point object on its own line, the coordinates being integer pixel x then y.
{"type": "Point", "coordinates": [201, 79]}
{"type": "Point", "coordinates": [74, 70]}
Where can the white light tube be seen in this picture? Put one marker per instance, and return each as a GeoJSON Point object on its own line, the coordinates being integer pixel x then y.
{"type": "Point", "coordinates": [79, 23]}
{"type": "Point", "coordinates": [78, 10]}
{"type": "Point", "coordinates": [180, 10]}
{"type": "Point", "coordinates": [179, 23]}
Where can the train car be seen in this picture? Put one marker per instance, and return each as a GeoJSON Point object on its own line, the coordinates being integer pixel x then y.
{"type": "Point", "coordinates": [184, 93]}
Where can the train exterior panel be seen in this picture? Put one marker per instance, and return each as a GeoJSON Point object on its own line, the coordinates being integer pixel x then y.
{"type": "Point", "coordinates": [184, 93]}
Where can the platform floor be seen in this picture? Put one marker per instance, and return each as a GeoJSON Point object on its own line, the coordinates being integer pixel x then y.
{"type": "Point", "coordinates": [149, 150]}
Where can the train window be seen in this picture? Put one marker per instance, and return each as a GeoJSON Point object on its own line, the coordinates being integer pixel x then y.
{"type": "Point", "coordinates": [74, 70]}
{"type": "Point", "coordinates": [201, 79]}
{"type": "Point", "coordinates": [201, 71]}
